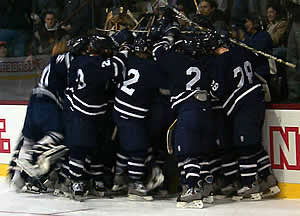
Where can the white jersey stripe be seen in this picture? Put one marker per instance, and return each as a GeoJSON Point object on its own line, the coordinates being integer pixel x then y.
{"type": "Point", "coordinates": [82, 111]}
{"type": "Point", "coordinates": [241, 96]}
{"type": "Point", "coordinates": [87, 105]}
{"type": "Point", "coordinates": [131, 106]}
{"type": "Point", "coordinates": [128, 113]}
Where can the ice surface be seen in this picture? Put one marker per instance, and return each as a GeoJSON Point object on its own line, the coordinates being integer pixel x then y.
{"type": "Point", "coordinates": [25, 204]}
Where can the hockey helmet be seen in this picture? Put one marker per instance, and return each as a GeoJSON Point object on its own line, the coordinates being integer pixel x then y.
{"type": "Point", "coordinates": [97, 43]}
{"type": "Point", "coordinates": [78, 45]}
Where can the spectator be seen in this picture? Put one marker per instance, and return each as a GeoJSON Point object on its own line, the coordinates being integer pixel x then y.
{"type": "Point", "coordinates": [277, 28]}
{"type": "Point", "coordinates": [209, 9]}
{"type": "Point", "coordinates": [293, 55]}
{"type": "Point", "coordinates": [40, 7]}
{"type": "Point", "coordinates": [3, 49]}
{"type": "Point", "coordinates": [46, 34]}
{"type": "Point", "coordinates": [259, 39]}
{"type": "Point", "coordinates": [15, 25]}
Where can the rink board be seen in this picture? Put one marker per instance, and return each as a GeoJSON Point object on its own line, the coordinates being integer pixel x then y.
{"type": "Point", "coordinates": [281, 139]}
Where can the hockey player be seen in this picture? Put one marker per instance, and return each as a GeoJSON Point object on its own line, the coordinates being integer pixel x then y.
{"type": "Point", "coordinates": [132, 112]}
{"type": "Point", "coordinates": [87, 101]}
{"type": "Point", "coordinates": [188, 73]}
{"type": "Point", "coordinates": [43, 127]}
{"type": "Point", "coordinates": [241, 93]}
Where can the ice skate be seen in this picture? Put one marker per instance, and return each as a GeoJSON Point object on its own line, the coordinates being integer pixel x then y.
{"type": "Point", "coordinates": [269, 186]}
{"type": "Point", "coordinates": [137, 191]}
{"type": "Point", "coordinates": [251, 192]}
{"type": "Point", "coordinates": [227, 191]}
{"type": "Point", "coordinates": [97, 189]}
{"type": "Point", "coordinates": [156, 179]}
{"type": "Point", "coordinates": [120, 186]}
{"type": "Point", "coordinates": [191, 198]}
{"type": "Point", "coordinates": [207, 191]}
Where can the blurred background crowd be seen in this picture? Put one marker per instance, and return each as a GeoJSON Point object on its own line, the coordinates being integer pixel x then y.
{"type": "Point", "coordinates": [31, 27]}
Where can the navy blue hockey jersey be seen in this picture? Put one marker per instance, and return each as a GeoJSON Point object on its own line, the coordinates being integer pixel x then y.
{"type": "Point", "coordinates": [53, 81]}
{"type": "Point", "coordinates": [86, 93]}
{"type": "Point", "coordinates": [186, 75]}
{"type": "Point", "coordinates": [234, 77]}
{"type": "Point", "coordinates": [142, 81]}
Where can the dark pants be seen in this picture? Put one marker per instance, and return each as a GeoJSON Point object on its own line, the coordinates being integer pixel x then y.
{"type": "Point", "coordinates": [133, 135]}
{"type": "Point", "coordinates": [43, 115]}
{"type": "Point", "coordinates": [247, 124]}
{"type": "Point", "coordinates": [194, 135]}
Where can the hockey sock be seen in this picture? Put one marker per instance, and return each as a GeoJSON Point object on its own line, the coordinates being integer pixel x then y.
{"type": "Point", "coordinates": [121, 164]}
{"type": "Point", "coordinates": [192, 171]}
{"type": "Point", "coordinates": [263, 164]}
{"type": "Point", "coordinates": [94, 168]}
{"type": "Point", "coordinates": [136, 168]}
{"type": "Point", "coordinates": [248, 169]}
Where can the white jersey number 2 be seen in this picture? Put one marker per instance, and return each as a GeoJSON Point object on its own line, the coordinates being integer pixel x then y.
{"type": "Point", "coordinates": [196, 78]}
{"type": "Point", "coordinates": [125, 88]}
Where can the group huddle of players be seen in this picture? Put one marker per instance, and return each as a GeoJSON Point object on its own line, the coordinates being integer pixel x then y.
{"type": "Point", "coordinates": [102, 109]}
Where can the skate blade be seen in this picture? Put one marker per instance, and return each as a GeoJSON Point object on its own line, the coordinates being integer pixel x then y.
{"type": "Point", "coordinates": [139, 198]}
{"type": "Point", "coordinates": [253, 197]}
{"type": "Point", "coordinates": [198, 204]}
{"type": "Point", "coordinates": [272, 191]}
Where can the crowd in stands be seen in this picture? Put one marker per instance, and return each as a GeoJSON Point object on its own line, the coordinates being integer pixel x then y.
{"type": "Point", "coordinates": [31, 27]}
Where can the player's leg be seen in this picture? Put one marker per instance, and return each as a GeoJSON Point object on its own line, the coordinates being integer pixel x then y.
{"type": "Point", "coordinates": [134, 140]}
{"type": "Point", "coordinates": [161, 118]}
{"type": "Point", "coordinates": [247, 133]}
{"type": "Point", "coordinates": [193, 145]}
{"type": "Point", "coordinates": [82, 141]}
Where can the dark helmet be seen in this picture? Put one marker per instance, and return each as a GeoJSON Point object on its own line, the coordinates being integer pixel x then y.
{"type": "Point", "coordinates": [211, 40]}
{"type": "Point", "coordinates": [199, 43]}
{"type": "Point", "coordinates": [78, 45]}
{"type": "Point", "coordinates": [97, 43]}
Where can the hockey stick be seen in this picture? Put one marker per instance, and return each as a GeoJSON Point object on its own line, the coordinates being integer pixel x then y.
{"type": "Point", "coordinates": [132, 17]}
{"type": "Point", "coordinates": [151, 24]}
{"type": "Point", "coordinates": [197, 7]}
{"type": "Point", "coordinates": [182, 16]}
{"type": "Point", "coordinates": [169, 137]}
